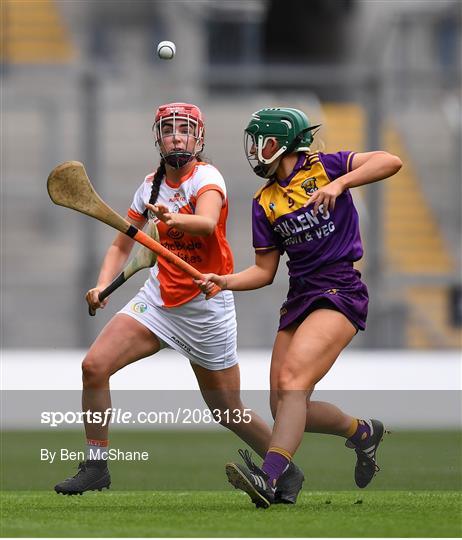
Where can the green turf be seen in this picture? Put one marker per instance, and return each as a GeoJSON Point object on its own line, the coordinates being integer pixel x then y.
{"type": "Point", "coordinates": [194, 460]}
{"type": "Point", "coordinates": [230, 513]}
{"type": "Point", "coordinates": [182, 489]}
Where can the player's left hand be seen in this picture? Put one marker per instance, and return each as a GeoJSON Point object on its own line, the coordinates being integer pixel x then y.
{"type": "Point", "coordinates": [208, 282]}
{"type": "Point", "coordinates": [326, 196]}
{"type": "Point", "coordinates": [162, 213]}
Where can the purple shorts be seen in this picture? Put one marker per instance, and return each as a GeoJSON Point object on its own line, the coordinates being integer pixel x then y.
{"type": "Point", "coordinates": [337, 286]}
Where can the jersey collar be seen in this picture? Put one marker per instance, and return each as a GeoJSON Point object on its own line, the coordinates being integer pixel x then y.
{"type": "Point", "coordinates": [300, 162]}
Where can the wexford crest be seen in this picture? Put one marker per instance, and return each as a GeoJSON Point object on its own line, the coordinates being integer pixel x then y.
{"type": "Point", "coordinates": [309, 185]}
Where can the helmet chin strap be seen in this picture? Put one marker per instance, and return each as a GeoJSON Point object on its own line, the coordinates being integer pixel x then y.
{"type": "Point", "coordinates": [178, 159]}
{"type": "Point", "coordinates": [267, 171]}
{"type": "Point", "coordinates": [267, 167]}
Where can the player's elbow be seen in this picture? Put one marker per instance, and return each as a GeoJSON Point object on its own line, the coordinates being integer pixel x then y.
{"type": "Point", "coordinates": [385, 164]}
{"type": "Point", "coordinates": [205, 231]}
{"type": "Point", "coordinates": [389, 164]}
{"type": "Point", "coordinates": [267, 278]}
{"type": "Point", "coordinates": [395, 163]}
{"type": "Point", "coordinates": [208, 228]}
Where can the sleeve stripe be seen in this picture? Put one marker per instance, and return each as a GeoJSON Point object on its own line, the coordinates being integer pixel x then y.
{"type": "Point", "coordinates": [265, 248]}
{"type": "Point", "coordinates": [349, 160]}
{"type": "Point", "coordinates": [210, 187]}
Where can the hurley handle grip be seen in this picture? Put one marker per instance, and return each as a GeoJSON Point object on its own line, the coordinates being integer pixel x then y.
{"type": "Point", "coordinates": [115, 284]}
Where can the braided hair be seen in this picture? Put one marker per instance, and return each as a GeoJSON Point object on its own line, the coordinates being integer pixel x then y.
{"type": "Point", "coordinates": [157, 181]}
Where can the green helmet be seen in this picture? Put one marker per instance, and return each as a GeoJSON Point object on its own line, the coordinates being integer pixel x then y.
{"type": "Point", "coordinates": [290, 127]}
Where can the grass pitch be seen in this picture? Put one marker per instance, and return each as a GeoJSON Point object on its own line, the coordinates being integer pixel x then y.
{"type": "Point", "coordinates": [229, 514]}
{"type": "Point", "coordinates": [182, 490]}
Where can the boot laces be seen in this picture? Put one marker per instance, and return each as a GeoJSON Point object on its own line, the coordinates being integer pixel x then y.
{"type": "Point", "coordinates": [365, 458]}
{"type": "Point", "coordinates": [247, 457]}
{"type": "Point", "coordinates": [82, 468]}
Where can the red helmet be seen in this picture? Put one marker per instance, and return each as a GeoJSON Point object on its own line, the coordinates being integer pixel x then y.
{"type": "Point", "coordinates": [176, 112]}
{"type": "Point", "coordinates": [179, 109]}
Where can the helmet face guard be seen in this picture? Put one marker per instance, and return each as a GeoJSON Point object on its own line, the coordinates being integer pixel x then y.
{"type": "Point", "coordinates": [289, 127]}
{"type": "Point", "coordinates": [181, 121]}
{"type": "Point", "coordinates": [253, 147]}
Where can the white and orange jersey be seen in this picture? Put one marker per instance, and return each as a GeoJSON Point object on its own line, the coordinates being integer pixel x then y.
{"type": "Point", "coordinates": [168, 286]}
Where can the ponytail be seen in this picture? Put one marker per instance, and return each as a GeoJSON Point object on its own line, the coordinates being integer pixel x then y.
{"type": "Point", "coordinates": [156, 182]}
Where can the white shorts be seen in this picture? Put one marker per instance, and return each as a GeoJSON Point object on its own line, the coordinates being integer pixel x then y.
{"type": "Point", "coordinates": [202, 330]}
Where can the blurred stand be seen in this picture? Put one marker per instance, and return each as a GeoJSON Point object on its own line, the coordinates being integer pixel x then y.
{"type": "Point", "coordinates": [90, 152]}
{"type": "Point", "coordinates": [358, 67]}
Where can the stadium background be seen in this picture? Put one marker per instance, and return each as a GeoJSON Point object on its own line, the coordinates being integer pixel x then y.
{"type": "Point", "coordinates": [80, 80]}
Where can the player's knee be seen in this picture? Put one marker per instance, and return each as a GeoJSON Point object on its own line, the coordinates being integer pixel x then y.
{"type": "Point", "coordinates": [94, 370]}
{"type": "Point", "coordinates": [292, 378]}
{"type": "Point", "coordinates": [287, 379]}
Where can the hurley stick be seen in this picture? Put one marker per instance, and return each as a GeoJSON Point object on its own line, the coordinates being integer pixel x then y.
{"type": "Point", "coordinates": [68, 185]}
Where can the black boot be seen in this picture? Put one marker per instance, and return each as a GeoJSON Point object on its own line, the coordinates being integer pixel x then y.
{"type": "Point", "coordinates": [92, 475]}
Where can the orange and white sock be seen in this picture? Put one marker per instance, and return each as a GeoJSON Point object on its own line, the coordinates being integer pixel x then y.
{"type": "Point", "coordinates": [97, 449]}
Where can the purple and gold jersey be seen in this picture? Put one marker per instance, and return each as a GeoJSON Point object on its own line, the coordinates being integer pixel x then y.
{"type": "Point", "coordinates": [282, 221]}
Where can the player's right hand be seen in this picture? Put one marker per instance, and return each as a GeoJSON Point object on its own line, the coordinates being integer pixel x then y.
{"type": "Point", "coordinates": [93, 301]}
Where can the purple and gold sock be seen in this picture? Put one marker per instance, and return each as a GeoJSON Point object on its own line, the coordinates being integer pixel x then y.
{"type": "Point", "coordinates": [361, 432]}
{"type": "Point", "coordinates": [276, 462]}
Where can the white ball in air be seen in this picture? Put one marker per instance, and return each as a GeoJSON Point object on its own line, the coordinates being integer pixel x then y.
{"type": "Point", "coordinates": [166, 50]}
